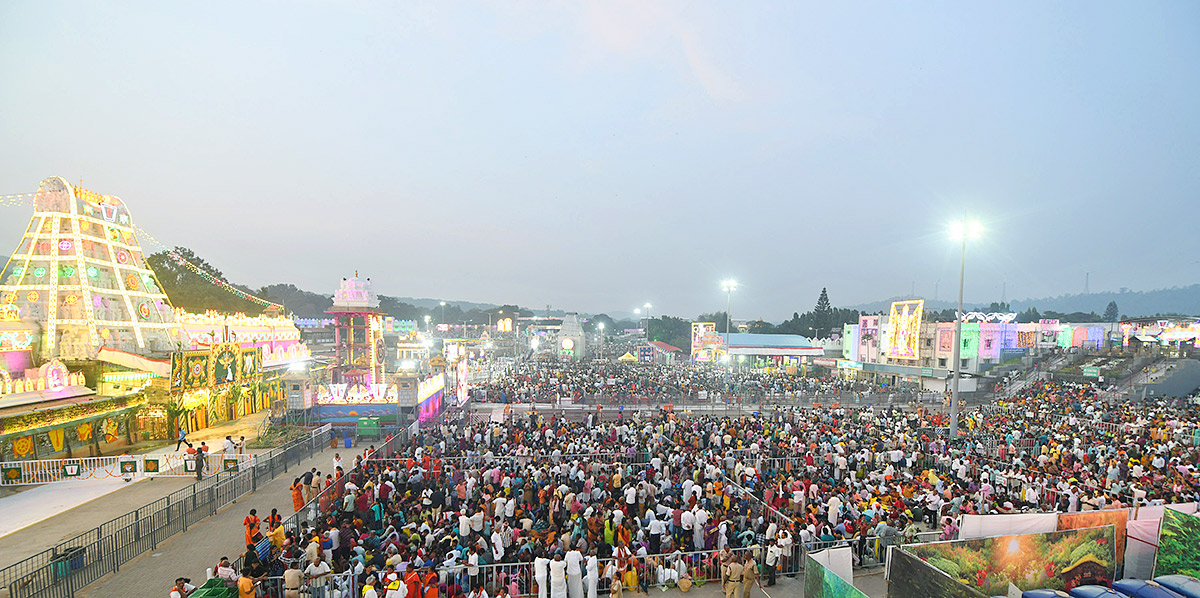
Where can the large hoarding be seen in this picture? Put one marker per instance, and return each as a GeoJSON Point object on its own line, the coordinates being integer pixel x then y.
{"type": "Point", "coordinates": [460, 377]}
{"type": "Point", "coordinates": [904, 329]}
{"type": "Point", "coordinates": [705, 341]}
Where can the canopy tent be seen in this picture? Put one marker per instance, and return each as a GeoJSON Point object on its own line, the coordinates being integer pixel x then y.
{"type": "Point", "coordinates": [627, 358]}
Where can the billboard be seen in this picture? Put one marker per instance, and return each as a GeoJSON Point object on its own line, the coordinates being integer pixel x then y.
{"type": "Point", "coordinates": [822, 582]}
{"type": "Point", "coordinates": [904, 329]}
{"type": "Point", "coordinates": [705, 341]}
{"type": "Point", "coordinates": [1055, 560]}
{"type": "Point", "coordinates": [429, 397]}
{"type": "Point", "coordinates": [912, 577]}
{"type": "Point", "coordinates": [646, 354]}
{"type": "Point", "coordinates": [1177, 554]}
{"type": "Point", "coordinates": [460, 376]}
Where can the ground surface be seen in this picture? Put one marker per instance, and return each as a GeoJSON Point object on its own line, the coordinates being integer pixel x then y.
{"type": "Point", "coordinates": [38, 517]}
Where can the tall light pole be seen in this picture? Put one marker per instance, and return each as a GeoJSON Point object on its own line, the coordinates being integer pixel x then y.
{"type": "Point", "coordinates": [443, 312]}
{"type": "Point", "coordinates": [729, 286]}
{"type": "Point", "coordinates": [601, 327]}
{"type": "Point", "coordinates": [961, 230]}
{"type": "Point", "coordinates": [648, 318]}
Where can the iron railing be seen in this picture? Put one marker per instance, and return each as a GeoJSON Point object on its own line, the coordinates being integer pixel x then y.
{"type": "Point", "coordinates": [46, 471]}
{"type": "Point", "coordinates": [72, 564]}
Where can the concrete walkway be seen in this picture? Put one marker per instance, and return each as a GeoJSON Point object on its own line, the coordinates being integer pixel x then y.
{"type": "Point", "coordinates": [190, 553]}
{"type": "Point", "coordinates": [25, 506]}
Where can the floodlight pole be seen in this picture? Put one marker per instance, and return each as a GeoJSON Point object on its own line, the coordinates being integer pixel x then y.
{"type": "Point", "coordinates": [954, 399]}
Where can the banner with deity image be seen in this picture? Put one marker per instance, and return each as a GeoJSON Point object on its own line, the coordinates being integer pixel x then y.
{"type": "Point", "coordinates": [904, 329]}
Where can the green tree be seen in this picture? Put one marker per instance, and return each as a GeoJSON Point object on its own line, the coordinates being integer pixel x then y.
{"type": "Point", "coordinates": [671, 330]}
{"type": "Point", "coordinates": [1028, 316]}
{"type": "Point", "coordinates": [610, 325]}
{"type": "Point", "coordinates": [1111, 312]}
{"type": "Point", "coordinates": [823, 318]}
{"type": "Point", "coordinates": [195, 292]}
{"type": "Point", "coordinates": [717, 317]}
{"type": "Point", "coordinates": [762, 327]}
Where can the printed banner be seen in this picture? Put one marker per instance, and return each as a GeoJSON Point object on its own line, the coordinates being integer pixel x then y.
{"type": "Point", "coordinates": [58, 438]}
{"type": "Point", "coordinates": [1114, 517]}
{"type": "Point", "coordinates": [1177, 542]}
{"type": "Point", "coordinates": [911, 577]}
{"type": "Point", "coordinates": [251, 362]}
{"type": "Point", "coordinates": [1140, 547]}
{"type": "Point", "coordinates": [1056, 560]}
{"type": "Point", "coordinates": [195, 371]}
{"type": "Point", "coordinates": [982, 526]}
{"type": "Point", "coordinates": [225, 364]}
{"type": "Point", "coordinates": [820, 582]}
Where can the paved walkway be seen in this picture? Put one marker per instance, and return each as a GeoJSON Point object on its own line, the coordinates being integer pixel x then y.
{"type": "Point", "coordinates": [190, 553]}
{"type": "Point", "coordinates": [31, 505]}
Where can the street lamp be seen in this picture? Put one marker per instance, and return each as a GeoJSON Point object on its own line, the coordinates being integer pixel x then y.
{"type": "Point", "coordinates": [427, 323]}
{"type": "Point", "coordinates": [443, 312]}
{"type": "Point", "coordinates": [729, 286]}
{"type": "Point", "coordinates": [961, 230]}
{"type": "Point", "coordinates": [601, 327]}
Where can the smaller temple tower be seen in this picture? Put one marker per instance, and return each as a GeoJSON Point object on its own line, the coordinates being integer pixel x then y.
{"type": "Point", "coordinates": [358, 334]}
{"type": "Point", "coordinates": [572, 342]}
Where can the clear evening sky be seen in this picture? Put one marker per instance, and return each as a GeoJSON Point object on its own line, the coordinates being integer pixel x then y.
{"type": "Point", "coordinates": [599, 155]}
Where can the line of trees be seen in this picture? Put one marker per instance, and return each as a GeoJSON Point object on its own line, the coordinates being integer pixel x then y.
{"type": "Point", "coordinates": [193, 292]}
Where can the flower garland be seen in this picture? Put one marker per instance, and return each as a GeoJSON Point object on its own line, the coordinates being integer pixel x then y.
{"type": "Point", "coordinates": [52, 417]}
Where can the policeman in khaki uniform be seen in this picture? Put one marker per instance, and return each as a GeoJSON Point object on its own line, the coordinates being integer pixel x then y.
{"type": "Point", "coordinates": [749, 574]}
{"type": "Point", "coordinates": [731, 578]}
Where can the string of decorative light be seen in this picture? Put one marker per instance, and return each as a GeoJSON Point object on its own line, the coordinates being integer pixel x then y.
{"type": "Point", "coordinates": [17, 199]}
{"type": "Point", "coordinates": [219, 283]}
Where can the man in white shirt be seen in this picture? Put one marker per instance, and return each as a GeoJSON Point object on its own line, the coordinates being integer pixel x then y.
{"type": "Point", "coordinates": [317, 573]}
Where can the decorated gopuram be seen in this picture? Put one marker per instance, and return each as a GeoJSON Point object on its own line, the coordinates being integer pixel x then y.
{"type": "Point", "coordinates": [358, 384]}
{"type": "Point", "coordinates": [94, 357]}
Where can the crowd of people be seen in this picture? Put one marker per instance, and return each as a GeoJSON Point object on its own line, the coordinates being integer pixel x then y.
{"type": "Point", "coordinates": [549, 381]}
{"type": "Point", "coordinates": [572, 508]}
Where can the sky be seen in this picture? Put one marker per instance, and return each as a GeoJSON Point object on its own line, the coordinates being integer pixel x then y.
{"type": "Point", "coordinates": [595, 156]}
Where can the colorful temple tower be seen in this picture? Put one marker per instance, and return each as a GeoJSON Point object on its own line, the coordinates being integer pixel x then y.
{"type": "Point", "coordinates": [80, 273]}
{"type": "Point", "coordinates": [358, 335]}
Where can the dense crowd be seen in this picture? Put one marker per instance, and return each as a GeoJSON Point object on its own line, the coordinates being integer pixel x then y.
{"type": "Point", "coordinates": [568, 508]}
{"type": "Point", "coordinates": [548, 381]}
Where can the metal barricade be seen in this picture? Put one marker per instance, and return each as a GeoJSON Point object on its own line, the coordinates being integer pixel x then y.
{"type": "Point", "coordinates": [74, 563]}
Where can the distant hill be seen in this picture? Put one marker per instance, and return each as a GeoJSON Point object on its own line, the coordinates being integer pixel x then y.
{"type": "Point", "coordinates": [1177, 300]}
{"type": "Point", "coordinates": [427, 303]}
{"type": "Point", "coordinates": [302, 303]}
